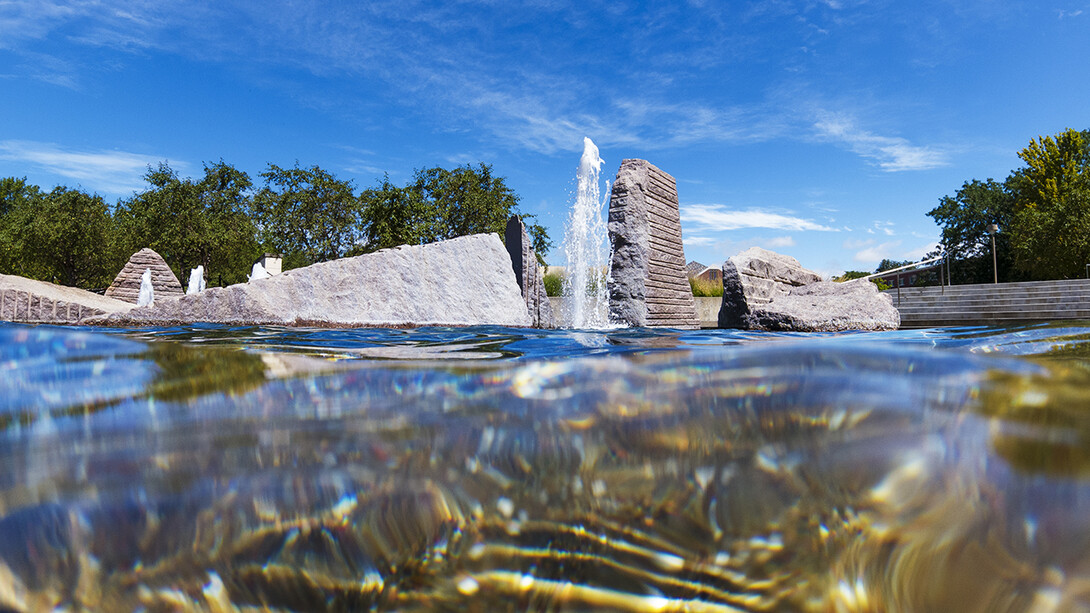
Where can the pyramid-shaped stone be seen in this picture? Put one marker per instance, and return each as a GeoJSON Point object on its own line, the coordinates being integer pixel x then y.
{"type": "Point", "coordinates": [127, 284]}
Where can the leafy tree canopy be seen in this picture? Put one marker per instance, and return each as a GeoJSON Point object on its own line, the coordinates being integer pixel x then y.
{"type": "Point", "coordinates": [307, 215]}
{"type": "Point", "coordinates": [18, 200]}
{"type": "Point", "coordinates": [193, 223]}
{"type": "Point", "coordinates": [1050, 233]}
{"type": "Point", "coordinates": [69, 233]}
{"type": "Point", "coordinates": [439, 204]}
{"type": "Point", "coordinates": [1042, 210]}
{"type": "Point", "coordinates": [888, 264]}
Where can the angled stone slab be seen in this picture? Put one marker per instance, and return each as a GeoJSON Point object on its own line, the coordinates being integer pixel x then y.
{"type": "Point", "coordinates": [464, 281]}
{"type": "Point", "coordinates": [648, 285]}
{"type": "Point", "coordinates": [25, 300]}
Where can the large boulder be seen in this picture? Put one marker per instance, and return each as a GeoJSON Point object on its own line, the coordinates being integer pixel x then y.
{"type": "Point", "coordinates": [764, 290]}
{"type": "Point", "coordinates": [459, 282]}
{"type": "Point", "coordinates": [28, 301]}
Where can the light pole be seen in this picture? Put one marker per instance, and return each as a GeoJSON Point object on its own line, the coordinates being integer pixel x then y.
{"type": "Point", "coordinates": [992, 229]}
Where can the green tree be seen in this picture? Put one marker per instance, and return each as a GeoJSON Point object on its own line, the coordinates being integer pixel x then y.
{"type": "Point", "coordinates": [1050, 233]}
{"type": "Point", "coordinates": [307, 215]}
{"type": "Point", "coordinates": [964, 218]}
{"type": "Point", "coordinates": [18, 200]}
{"type": "Point", "coordinates": [391, 216]}
{"type": "Point", "coordinates": [440, 204]}
{"type": "Point", "coordinates": [70, 232]}
{"type": "Point", "coordinates": [888, 264]}
{"type": "Point", "coordinates": [193, 223]}
{"type": "Point", "coordinates": [851, 275]}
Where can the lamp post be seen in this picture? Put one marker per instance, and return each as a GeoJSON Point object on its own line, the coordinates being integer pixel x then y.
{"type": "Point", "coordinates": [992, 229]}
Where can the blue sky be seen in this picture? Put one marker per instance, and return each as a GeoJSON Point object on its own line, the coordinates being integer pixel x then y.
{"type": "Point", "coordinates": [822, 129]}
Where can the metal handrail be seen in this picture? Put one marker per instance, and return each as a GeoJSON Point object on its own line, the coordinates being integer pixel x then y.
{"type": "Point", "coordinates": [905, 267]}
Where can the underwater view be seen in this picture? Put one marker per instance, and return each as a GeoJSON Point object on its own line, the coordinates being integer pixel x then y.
{"type": "Point", "coordinates": [207, 468]}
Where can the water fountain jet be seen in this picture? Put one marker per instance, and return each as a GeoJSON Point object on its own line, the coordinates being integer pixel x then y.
{"type": "Point", "coordinates": [585, 295]}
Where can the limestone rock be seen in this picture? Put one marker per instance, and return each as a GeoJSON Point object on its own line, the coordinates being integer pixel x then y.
{"type": "Point", "coordinates": [527, 273]}
{"type": "Point", "coordinates": [460, 282]}
{"type": "Point", "coordinates": [763, 290]}
{"type": "Point", "coordinates": [648, 285]}
{"type": "Point", "coordinates": [28, 301]}
{"type": "Point", "coordinates": [828, 306]}
{"type": "Point", "coordinates": [126, 285]}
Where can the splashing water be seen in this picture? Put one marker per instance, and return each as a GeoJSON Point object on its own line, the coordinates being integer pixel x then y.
{"type": "Point", "coordinates": [147, 290]}
{"type": "Point", "coordinates": [586, 298]}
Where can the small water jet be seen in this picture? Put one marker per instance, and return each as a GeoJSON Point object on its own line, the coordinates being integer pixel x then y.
{"type": "Point", "coordinates": [585, 296]}
{"type": "Point", "coordinates": [196, 280]}
{"type": "Point", "coordinates": [147, 290]}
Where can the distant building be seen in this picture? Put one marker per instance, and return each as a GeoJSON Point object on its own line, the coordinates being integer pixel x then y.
{"type": "Point", "coordinates": [694, 268]}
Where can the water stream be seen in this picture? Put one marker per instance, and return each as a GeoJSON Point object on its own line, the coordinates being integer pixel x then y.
{"type": "Point", "coordinates": [586, 250]}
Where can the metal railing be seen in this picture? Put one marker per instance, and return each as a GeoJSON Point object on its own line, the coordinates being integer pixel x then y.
{"type": "Point", "coordinates": [897, 282]}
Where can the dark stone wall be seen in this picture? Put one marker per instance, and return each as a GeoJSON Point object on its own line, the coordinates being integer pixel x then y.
{"type": "Point", "coordinates": [524, 262]}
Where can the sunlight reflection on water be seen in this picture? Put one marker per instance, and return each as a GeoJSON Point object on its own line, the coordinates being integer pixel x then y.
{"type": "Point", "coordinates": [205, 468]}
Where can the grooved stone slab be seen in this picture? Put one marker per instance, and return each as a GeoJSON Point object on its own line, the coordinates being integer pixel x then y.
{"type": "Point", "coordinates": [25, 300]}
{"type": "Point", "coordinates": [126, 285]}
{"type": "Point", "coordinates": [648, 285]}
{"type": "Point", "coordinates": [465, 281]}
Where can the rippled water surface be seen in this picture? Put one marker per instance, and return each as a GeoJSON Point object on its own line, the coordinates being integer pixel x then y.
{"type": "Point", "coordinates": [220, 469]}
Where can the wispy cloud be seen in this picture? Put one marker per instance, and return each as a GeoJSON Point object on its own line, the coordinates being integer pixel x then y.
{"type": "Point", "coordinates": [877, 252]}
{"type": "Point", "coordinates": [109, 171]}
{"type": "Point", "coordinates": [718, 217]}
{"type": "Point", "coordinates": [698, 241]}
{"type": "Point", "coordinates": [781, 241]}
{"type": "Point", "coordinates": [890, 153]}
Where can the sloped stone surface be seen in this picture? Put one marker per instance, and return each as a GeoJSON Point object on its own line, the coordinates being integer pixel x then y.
{"type": "Point", "coordinates": [28, 301]}
{"type": "Point", "coordinates": [460, 282]}
{"type": "Point", "coordinates": [126, 285]}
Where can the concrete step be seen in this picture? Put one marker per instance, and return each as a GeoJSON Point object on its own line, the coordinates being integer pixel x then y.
{"type": "Point", "coordinates": [948, 302]}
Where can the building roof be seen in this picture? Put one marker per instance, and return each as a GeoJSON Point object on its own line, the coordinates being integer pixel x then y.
{"type": "Point", "coordinates": [694, 268]}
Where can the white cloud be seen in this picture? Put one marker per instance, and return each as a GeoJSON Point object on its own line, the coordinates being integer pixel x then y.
{"type": "Point", "coordinates": [109, 171]}
{"type": "Point", "coordinates": [918, 253]}
{"type": "Point", "coordinates": [891, 153]}
{"type": "Point", "coordinates": [718, 217]}
{"type": "Point", "coordinates": [698, 241]}
{"type": "Point", "coordinates": [781, 241]}
{"type": "Point", "coordinates": [877, 253]}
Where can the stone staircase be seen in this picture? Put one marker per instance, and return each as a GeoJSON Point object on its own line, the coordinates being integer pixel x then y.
{"type": "Point", "coordinates": [991, 304]}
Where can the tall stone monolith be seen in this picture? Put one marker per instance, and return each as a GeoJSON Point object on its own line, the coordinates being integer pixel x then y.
{"type": "Point", "coordinates": [648, 285]}
{"type": "Point", "coordinates": [524, 262]}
